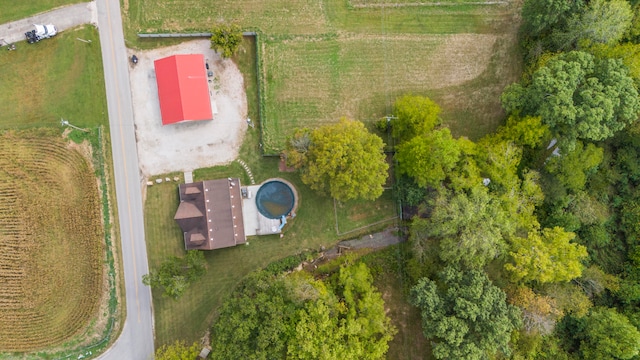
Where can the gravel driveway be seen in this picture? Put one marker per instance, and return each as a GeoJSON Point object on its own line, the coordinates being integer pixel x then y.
{"type": "Point", "coordinates": [190, 145]}
{"type": "Point", "coordinates": [63, 18]}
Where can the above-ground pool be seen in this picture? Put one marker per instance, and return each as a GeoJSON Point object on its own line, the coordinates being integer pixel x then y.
{"type": "Point", "coordinates": [274, 199]}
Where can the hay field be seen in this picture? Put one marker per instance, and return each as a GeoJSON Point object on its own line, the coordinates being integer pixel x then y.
{"type": "Point", "coordinates": [272, 16]}
{"type": "Point", "coordinates": [311, 82]}
{"type": "Point", "coordinates": [51, 241]}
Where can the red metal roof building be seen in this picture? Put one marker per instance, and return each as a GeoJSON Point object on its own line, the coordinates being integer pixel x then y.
{"type": "Point", "coordinates": [182, 88]}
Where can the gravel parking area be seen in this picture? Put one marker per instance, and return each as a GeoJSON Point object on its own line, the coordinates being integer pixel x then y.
{"type": "Point", "coordinates": [190, 145]}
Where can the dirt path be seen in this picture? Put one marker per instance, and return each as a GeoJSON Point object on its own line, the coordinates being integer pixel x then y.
{"type": "Point", "coordinates": [63, 18]}
{"type": "Point", "coordinates": [375, 241]}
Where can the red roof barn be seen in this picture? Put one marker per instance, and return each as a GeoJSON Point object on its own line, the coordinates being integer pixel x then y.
{"type": "Point", "coordinates": [183, 88]}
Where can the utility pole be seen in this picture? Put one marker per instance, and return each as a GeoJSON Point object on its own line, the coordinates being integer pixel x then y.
{"type": "Point", "coordinates": [64, 122]}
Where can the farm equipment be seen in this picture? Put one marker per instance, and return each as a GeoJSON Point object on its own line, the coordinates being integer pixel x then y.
{"type": "Point", "coordinates": [40, 32]}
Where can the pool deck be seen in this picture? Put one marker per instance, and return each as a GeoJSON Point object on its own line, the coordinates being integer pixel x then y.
{"type": "Point", "coordinates": [254, 222]}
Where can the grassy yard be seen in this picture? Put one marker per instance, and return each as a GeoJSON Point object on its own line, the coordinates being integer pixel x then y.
{"type": "Point", "coordinates": [387, 267]}
{"type": "Point", "coordinates": [310, 82]}
{"type": "Point", "coordinates": [356, 214]}
{"type": "Point", "coordinates": [22, 9]}
{"type": "Point", "coordinates": [59, 77]}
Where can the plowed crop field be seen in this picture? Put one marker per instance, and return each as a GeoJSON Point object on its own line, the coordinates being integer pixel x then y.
{"type": "Point", "coordinates": [51, 241]}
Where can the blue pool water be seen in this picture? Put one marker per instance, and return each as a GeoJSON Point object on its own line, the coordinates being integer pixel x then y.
{"type": "Point", "coordinates": [274, 199]}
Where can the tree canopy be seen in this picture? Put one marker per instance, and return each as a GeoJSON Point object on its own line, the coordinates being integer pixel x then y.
{"type": "Point", "coordinates": [608, 335]}
{"type": "Point", "coordinates": [415, 116]}
{"type": "Point", "coordinates": [428, 158]}
{"type": "Point", "coordinates": [546, 256]}
{"type": "Point", "coordinates": [573, 167]}
{"type": "Point", "coordinates": [225, 39]}
{"type": "Point", "coordinates": [354, 327]}
{"type": "Point", "coordinates": [343, 159]}
{"type": "Point", "coordinates": [578, 96]}
{"type": "Point", "coordinates": [465, 315]}
{"type": "Point", "coordinates": [601, 21]}
{"type": "Point", "coordinates": [178, 351]}
{"type": "Point", "coordinates": [297, 317]}
{"type": "Point", "coordinates": [471, 228]}
{"type": "Point", "coordinates": [175, 274]}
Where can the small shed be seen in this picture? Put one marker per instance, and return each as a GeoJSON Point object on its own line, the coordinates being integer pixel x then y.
{"type": "Point", "coordinates": [204, 353]}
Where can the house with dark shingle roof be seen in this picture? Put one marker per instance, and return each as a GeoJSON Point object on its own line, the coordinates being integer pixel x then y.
{"type": "Point", "coordinates": [210, 214]}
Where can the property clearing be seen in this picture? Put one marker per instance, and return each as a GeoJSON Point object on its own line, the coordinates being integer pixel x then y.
{"type": "Point", "coordinates": [51, 242]}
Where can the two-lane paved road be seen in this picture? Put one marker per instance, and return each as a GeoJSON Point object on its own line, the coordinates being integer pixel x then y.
{"type": "Point", "coordinates": [136, 340]}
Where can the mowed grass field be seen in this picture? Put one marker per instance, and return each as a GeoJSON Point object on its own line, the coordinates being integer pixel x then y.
{"type": "Point", "coordinates": [310, 83]}
{"type": "Point", "coordinates": [16, 10]}
{"type": "Point", "coordinates": [51, 241]}
{"type": "Point", "coordinates": [59, 77]}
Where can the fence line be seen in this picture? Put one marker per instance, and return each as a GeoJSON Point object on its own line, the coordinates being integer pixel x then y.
{"type": "Point", "coordinates": [186, 35]}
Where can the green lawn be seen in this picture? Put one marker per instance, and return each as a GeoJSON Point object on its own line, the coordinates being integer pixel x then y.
{"type": "Point", "coordinates": [390, 277]}
{"type": "Point", "coordinates": [310, 82]}
{"type": "Point", "coordinates": [356, 214]}
{"type": "Point", "coordinates": [22, 9]}
{"type": "Point", "coordinates": [58, 77]}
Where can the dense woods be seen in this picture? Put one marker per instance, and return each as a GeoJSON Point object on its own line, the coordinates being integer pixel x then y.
{"type": "Point", "coordinates": [540, 217]}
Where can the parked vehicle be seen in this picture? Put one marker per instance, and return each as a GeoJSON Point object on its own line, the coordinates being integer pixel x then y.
{"type": "Point", "coordinates": [40, 32]}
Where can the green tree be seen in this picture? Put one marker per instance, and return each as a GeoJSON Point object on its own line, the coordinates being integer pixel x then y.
{"type": "Point", "coordinates": [548, 256]}
{"type": "Point", "coordinates": [178, 351]}
{"type": "Point", "coordinates": [578, 97]}
{"type": "Point", "coordinates": [428, 158]}
{"type": "Point", "coordinates": [175, 274]}
{"type": "Point", "coordinates": [294, 316]}
{"type": "Point", "coordinates": [255, 322]}
{"type": "Point", "coordinates": [609, 335]}
{"type": "Point", "coordinates": [465, 315]}
{"type": "Point", "coordinates": [225, 39]}
{"type": "Point", "coordinates": [344, 160]}
{"type": "Point", "coordinates": [629, 53]}
{"type": "Point", "coordinates": [470, 228]}
{"type": "Point", "coordinates": [353, 327]}
{"type": "Point", "coordinates": [415, 116]}
{"type": "Point", "coordinates": [499, 161]}
{"type": "Point", "coordinates": [573, 167]}
{"type": "Point", "coordinates": [602, 21]}
{"type": "Point", "coordinates": [526, 131]}
{"type": "Point", "coordinates": [541, 16]}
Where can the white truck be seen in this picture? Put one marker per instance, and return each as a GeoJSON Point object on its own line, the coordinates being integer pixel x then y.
{"type": "Point", "coordinates": [40, 32]}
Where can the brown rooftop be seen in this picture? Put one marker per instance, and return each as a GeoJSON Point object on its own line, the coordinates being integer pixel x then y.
{"type": "Point", "coordinates": [210, 214]}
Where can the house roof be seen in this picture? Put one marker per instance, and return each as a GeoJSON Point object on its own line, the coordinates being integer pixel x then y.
{"type": "Point", "coordinates": [210, 214]}
{"type": "Point", "coordinates": [183, 90]}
